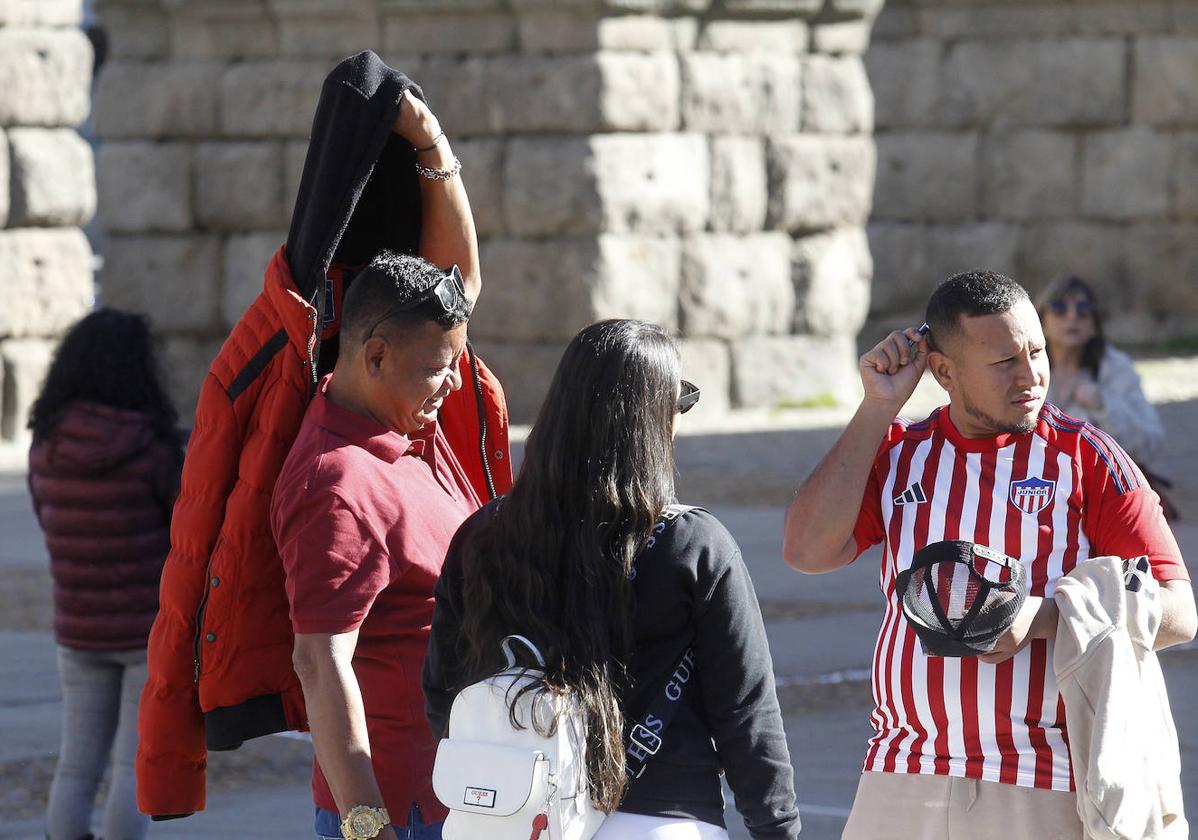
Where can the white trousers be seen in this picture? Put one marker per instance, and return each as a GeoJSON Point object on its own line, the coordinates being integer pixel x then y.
{"type": "Point", "coordinates": [621, 826]}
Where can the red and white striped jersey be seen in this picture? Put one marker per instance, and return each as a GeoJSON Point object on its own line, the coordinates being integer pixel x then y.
{"type": "Point", "coordinates": [1051, 498]}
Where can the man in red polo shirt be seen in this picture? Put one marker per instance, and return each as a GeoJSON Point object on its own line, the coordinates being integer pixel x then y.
{"type": "Point", "coordinates": [363, 513]}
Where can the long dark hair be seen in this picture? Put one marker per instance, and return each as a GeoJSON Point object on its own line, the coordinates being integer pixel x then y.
{"type": "Point", "coordinates": [107, 357]}
{"type": "Point", "coordinates": [1059, 289]}
{"type": "Point", "coordinates": [553, 563]}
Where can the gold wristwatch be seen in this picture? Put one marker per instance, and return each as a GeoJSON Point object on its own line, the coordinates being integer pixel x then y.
{"type": "Point", "coordinates": [364, 822]}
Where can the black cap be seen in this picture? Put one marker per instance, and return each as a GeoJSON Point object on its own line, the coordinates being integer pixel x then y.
{"type": "Point", "coordinates": [960, 596]}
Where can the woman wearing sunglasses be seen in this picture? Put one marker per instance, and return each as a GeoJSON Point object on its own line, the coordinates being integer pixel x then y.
{"type": "Point", "coordinates": [1092, 380]}
{"type": "Point", "coordinates": [556, 560]}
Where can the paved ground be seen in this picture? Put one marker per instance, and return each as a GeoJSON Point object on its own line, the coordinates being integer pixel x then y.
{"type": "Point", "coordinates": [821, 633]}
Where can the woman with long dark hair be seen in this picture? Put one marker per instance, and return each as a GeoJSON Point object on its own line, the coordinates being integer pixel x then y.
{"type": "Point", "coordinates": [103, 475]}
{"type": "Point", "coordinates": [556, 561]}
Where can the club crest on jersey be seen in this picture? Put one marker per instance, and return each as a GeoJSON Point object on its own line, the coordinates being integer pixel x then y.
{"type": "Point", "coordinates": [1032, 494]}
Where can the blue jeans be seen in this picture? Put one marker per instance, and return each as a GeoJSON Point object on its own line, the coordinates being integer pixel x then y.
{"type": "Point", "coordinates": [328, 826]}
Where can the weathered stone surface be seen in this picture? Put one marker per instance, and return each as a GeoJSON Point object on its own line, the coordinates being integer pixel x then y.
{"type": "Point", "coordinates": [551, 187]}
{"type": "Point", "coordinates": [185, 361]}
{"type": "Point", "coordinates": [482, 173]}
{"type": "Point", "coordinates": [325, 36]}
{"type": "Point", "coordinates": [295, 152]}
{"type": "Point", "coordinates": [144, 186]}
{"type": "Point", "coordinates": [174, 280]}
{"type": "Point", "coordinates": [41, 12]}
{"type": "Point", "coordinates": [1185, 179]}
{"type": "Point", "coordinates": [1091, 250]}
{"type": "Point", "coordinates": [1030, 175]}
{"type": "Point", "coordinates": [923, 174]}
{"type": "Point", "coordinates": [25, 362]}
{"type": "Point", "coordinates": [524, 368]}
{"type": "Point", "coordinates": [1001, 83]}
{"type": "Point", "coordinates": [961, 247]}
{"type": "Point", "coordinates": [1126, 174]}
{"type": "Point", "coordinates": [245, 260]}
{"type": "Point", "coordinates": [820, 182]}
{"type": "Point", "coordinates": [902, 281]}
{"type": "Point", "coordinates": [47, 280]}
{"type": "Point", "coordinates": [736, 285]}
{"type": "Point", "coordinates": [707, 362]}
{"type": "Point", "coordinates": [53, 178]}
{"type": "Point", "coordinates": [844, 37]}
{"type": "Point", "coordinates": [652, 183]}
{"type": "Point", "coordinates": [905, 78]}
{"type": "Point", "coordinates": [468, 94]}
{"type": "Point", "coordinates": [556, 30]}
{"type": "Point", "coordinates": [730, 93]}
{"type": "Point", "coordinates": [1094, 17]}
{"type": "Point", "coordinates": [239, 186]}
{"type": "Point", "coordinates": [4, 169]}
{"type": "Point", "coordinates": [775, 36]}
{"type": "Point", "coordinates": [453, 32]}
{"type": "Point", "coordinates": [796, 8]}
{"type": "Point", "coordinates": [1163, 91]}
{"type": "Point", "coordinates": [793, 370]}
{"type": "Point", "coordinates": [228, 31]}
{"type": "Point", "coordinates": [162, 99]}
{"type": "Point", "coordinates": [1158, 255]}
{"type": "Point", "coordinates": [136, 31]}
{"type": "Point", "coordinates": [46, 76]}
{"type": "Point", "coordinates": [270, 99]}
{"type": "Point", "coordinates": [638, 92]}
{"type": "Point", "coordinates": [855, 8]}
{"type": "Point", "coordinates": [832, 273]}
{"type": "Point", "coordinates": [738, 187]}
{"type": "Point", "coordinates": [836, 96]}
{"type": "Point", "coordinates": [895, 22]}
{"type": "Point", "coordinates": [546, 290]}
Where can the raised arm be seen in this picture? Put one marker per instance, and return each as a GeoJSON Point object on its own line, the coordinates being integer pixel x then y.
{"type": "Point", "coordinates": [818, 535]}
{"type": "Point", "coordinates": [447, 235]}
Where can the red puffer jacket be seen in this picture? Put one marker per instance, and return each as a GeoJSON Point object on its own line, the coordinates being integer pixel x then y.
{"type": "Point", "coordinates": [102, 487]}
{"type": "Point", "coordinates": [220, 651]}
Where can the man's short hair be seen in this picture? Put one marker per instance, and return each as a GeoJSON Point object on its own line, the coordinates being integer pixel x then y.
{"type": "Point", "coordinates": [969, 294]}
{"type": "Point", "coordinates": [381, 291]}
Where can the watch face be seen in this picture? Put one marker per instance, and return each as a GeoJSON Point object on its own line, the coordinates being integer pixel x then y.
{"type": "Point", "coordinates": [365, 823]}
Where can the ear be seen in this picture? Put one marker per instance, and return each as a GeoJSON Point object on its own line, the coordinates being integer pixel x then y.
{"type": "Point", "coordinates": [943, 369]}
{"type": "Point", "coordinates": [374, 355]}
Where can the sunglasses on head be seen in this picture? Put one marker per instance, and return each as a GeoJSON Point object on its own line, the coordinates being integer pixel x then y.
{"type": "Point", "coordinates": [1082, 308]}
{"type": "Point", "coordinates": [446, 291]}
{"type": "Point", "coordinates": [687, 398]}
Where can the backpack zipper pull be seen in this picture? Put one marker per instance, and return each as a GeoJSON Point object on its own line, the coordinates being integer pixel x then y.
{"type": "Point", "coordinates": [539, 823]}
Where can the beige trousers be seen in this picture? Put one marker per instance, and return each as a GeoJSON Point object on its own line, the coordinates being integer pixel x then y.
{"type": "Point", "coordinates": [895, 806]}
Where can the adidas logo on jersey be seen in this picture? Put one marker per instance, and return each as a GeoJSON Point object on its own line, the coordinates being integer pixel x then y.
{"type": "Point", "coordinates": [913, 495]}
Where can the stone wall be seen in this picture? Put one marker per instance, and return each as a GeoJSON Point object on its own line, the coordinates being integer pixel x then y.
{"type": "Point", "coordinates": [1039, 138]}
{"type": "Point", "coordinates": [47, 192]}
{"type": "Point", "coordinates": [704, 164]}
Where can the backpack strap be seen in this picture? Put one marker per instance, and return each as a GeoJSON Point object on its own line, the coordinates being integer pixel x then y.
{"type": "Point", "coordinates": [645, 737]}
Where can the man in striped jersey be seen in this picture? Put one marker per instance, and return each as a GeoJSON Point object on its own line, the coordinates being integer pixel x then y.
{"type": "Point", "coordinates": [976, 747]}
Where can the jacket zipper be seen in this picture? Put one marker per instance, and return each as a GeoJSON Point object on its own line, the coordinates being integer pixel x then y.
{"type": "Point", "coordinates": [199, 621]}
{"type": "Point", "coordinates": [482, 419]}
{"type": "Point", "coordinates": [313, 316]}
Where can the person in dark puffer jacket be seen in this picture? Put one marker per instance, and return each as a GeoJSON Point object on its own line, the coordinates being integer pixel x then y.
{"type": "Point", "coordinates": [103, 474]}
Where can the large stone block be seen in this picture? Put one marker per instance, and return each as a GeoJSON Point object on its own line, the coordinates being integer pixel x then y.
{"type": "Point", "coordinates": [926, 175]}
{"type": "Point", "coordinates": [707, 362]}
{"type": "Point", "coordinates": [144, 186]}
{"type": "Point", "coordinates": [482, 173]}
{"type": "Point", "coordinates": [902, 280]}
{"type": "Point", "coordinates": [832, 273]}
{"type": "Point", "coordinates": [524, 368]}
{"type": "Point", "coordinates": [174, 280]}
{"type": "Point", "coordinates": [25, 362]}
{"type": "Point", "coordinates": [730, 93]}
{"type": "Point", "coordinates": [1162, 267]}
{"type": "Point", "coordinates": [1091, 250]}
{"type": "Point", "coordinates": [547, 290]}
{"type": "Point", "coordinates": [551, 187]}
{"type": "Point", "coordinates": [1003, 20]}
{"type": "Point", "coordinates": [227, 31]}
{"type": "Point", "coordinates": [793, 370]}
{"type": "Point", "coordinates": [836, 96]}
{"type": "Point", "coordinates": [239, 186]}
{"type": "Point", "coordinates": [245, 259]}
{"type": "Point", "coordinates": [469, 99]}
{"type": "Point", "coordinates": [295, 152]}
{"type": "Point", "coordinates": [1163, 83]}
{"type": "Point", "coordinates": [561, 30]}
{"type": "Point", "coordinates": [41, 12]}
{"type": "Point", "coordinates": [1185, 183]}
{"type": "Point", "coordinates": [45, 75]}
{"type": "Point", "coordinates": [738, 184]}
{"type": "Point", "coordinates": [4, 170]}
{"type": "Point", "coordinates": [47, 280]}
{"type": "Point", "coordinates": [1126, 174]}
{"type": "Point", "coordinates": [652, 183]}
{"type": "Point", "coordinates": [1002, 83]}
{"type": "Point", "coordinates": [452, 32]}
{"type": "Point", "coordinates": [846, 37]}
{"type": "Point", "coordinates": [162, 99]}
{"type": "Point", "coordinates": [136, 31]}
{"type": "Point", "coordinates": [771, 36]}
{"type": "Point", "coordinates": [53, 178]}
{"type": "Point", "coordinates": [736, 285]}
{"type": "Point", "coordinates": [270, 99]}
{"type": "Point", "coordinates": [905, 78]}
{"type": "Point", "coordinates": [953, 248]}
{"type": "Point", "coordinates": [1030, 175]}
{"type": "Point", "coordinates": [780, 8]}
{"type": "Point", "coordinates": [331, 36]}
{"type": "Point", "coordinates": [820, 182]}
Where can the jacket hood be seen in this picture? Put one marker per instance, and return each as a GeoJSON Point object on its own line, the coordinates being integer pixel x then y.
{"type": "Point", "coordinates": [359, 191]}
{"type": "Point", "coordinates": [92, 438]}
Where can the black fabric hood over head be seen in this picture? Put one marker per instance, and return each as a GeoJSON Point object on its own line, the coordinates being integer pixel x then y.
{"type": "Point", "coordinates": [359, 191]}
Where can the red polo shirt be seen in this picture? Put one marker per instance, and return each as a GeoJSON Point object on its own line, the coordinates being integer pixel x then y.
{"type": "Point", "coordinates": [363, 517]}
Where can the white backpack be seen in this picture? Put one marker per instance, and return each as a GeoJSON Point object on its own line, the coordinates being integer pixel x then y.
{"type": "Point", "coordinates": [504, 783]}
